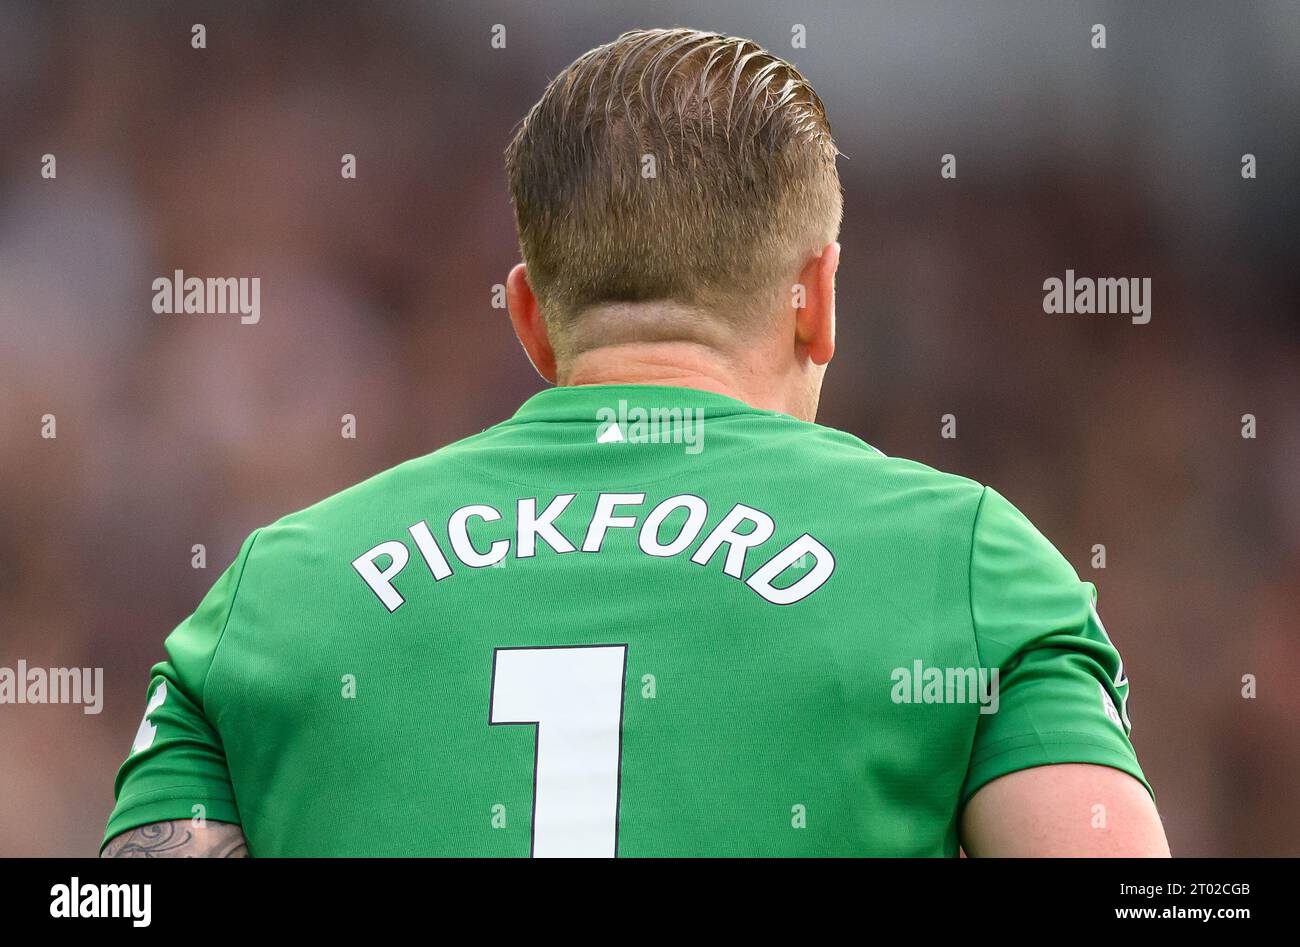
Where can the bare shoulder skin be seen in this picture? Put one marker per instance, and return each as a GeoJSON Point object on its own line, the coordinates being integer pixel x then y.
{"type": "Point", "coordinates": [180, 838]}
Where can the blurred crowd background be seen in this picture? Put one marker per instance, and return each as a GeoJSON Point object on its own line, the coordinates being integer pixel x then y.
{"type": "Point", "coordinates": [376, 301]}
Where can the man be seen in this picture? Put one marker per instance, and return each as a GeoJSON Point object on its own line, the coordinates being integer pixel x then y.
{"type": "Point", "coordinates": [659, 611]}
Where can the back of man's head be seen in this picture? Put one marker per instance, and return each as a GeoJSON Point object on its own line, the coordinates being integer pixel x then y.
{"type": "Point", "coordinates": [672, 166]}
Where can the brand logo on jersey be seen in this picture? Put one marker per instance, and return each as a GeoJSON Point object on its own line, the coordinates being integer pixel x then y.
{"type": "Point", "coordinates": [946, 685]}
{"type": "Point", "coordinates": [144, 736]}
{"type": "Point", "coordinates": [1108, 707]}
{"type": "Point", "coordinates": [631, 424]}
{"type": "Point", "coordinates": [1118, 714]}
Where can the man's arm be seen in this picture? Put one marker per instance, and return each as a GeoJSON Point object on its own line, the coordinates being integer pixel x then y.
{"type": "Point", "coordinates": [180, 838]}
{"type": "Point", "coordinates": [1067, 809]}
{"type": "Point", "coordinates": [177, 764]}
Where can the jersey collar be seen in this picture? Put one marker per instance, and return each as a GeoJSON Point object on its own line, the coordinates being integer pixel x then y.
{"type": "Point", "coordinates": [582, 402]}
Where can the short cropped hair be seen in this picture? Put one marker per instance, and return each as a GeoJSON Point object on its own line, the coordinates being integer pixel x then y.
{"type": "Point", "coordinates": [675, 165]}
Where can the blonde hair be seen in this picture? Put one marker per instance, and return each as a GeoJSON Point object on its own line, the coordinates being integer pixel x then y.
{"type": "Point", "coordinates": [673, 165]}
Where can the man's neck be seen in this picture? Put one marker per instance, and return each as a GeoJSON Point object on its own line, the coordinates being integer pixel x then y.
{"type": "Point", "coordinates": [679, 365]}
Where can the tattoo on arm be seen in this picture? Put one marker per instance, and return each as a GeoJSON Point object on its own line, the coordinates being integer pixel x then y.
{"type": "Point", "coordinates": [180, 838]}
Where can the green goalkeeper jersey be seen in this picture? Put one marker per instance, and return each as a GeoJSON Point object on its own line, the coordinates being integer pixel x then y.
{"type": "Point", "coordinates": [629, 620]}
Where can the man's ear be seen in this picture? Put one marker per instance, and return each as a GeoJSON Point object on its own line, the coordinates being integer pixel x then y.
{"type": "Point", "coordinates": [815, 322]}
{"type": "Point", "coordinates": [530, 327]}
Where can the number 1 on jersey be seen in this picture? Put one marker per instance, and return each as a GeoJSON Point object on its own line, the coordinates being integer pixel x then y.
{"type": "Point", "coordinates": [574, 697]}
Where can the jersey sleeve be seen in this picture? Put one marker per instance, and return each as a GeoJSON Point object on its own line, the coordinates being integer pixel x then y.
{"type": "Point", "coordinates": [176, 762]}
{"type": "Point", "coordinates": [1062, 692]}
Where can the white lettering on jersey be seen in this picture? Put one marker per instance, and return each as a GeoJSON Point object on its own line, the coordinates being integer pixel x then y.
{"type": "Point", "coordinates": [608, 514]}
